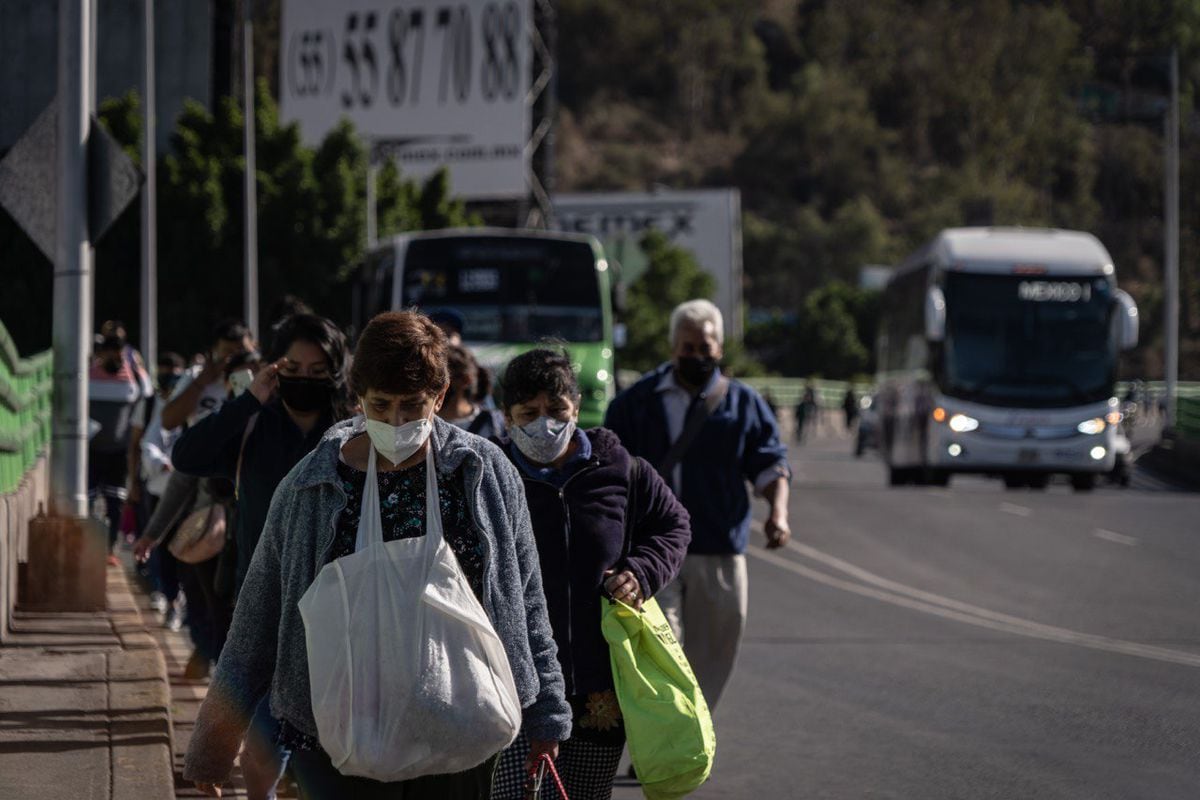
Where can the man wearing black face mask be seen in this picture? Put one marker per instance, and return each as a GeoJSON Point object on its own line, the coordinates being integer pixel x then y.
{"type": "Point", "coordinates": [708, 436]}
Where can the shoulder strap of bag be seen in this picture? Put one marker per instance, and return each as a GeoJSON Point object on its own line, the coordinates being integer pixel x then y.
{"type": "Point", "coordinates": [631, 502]}
{"type": "Point", "coordinates": [237, 479]}
{"type": "Point", "coordinates": [698, 414]}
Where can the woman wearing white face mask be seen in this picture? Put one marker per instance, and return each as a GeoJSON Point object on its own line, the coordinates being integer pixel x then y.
{"type": "Point", "coordinates": [399, 374]}
{"type": "Point", "coordinates": [578, 484]}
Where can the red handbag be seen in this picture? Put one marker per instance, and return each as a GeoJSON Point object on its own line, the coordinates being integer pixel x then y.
{"type": "Point", "coordinates": [533, 786]}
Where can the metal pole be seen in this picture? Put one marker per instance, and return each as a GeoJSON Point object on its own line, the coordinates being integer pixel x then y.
{"type": "Point", "coordinates": [372, 211]}
{"type": "Point", "coordinates": [72, 263]}
{"type": "Point", "coordinates": [149, 207]}
{"type": "Point", "coordinates": [1171, 220]}
{"type": "Point", "coordinates": [251, 191]}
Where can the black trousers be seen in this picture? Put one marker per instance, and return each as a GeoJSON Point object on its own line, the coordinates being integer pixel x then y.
{"type": "Point", "coordinates": [318, 780]}
{"type": "Point", "coordinates": [208, 614]}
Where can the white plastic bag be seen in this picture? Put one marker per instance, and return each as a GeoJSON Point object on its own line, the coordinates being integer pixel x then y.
{"type": "Point", "coordinates": [408, 676]}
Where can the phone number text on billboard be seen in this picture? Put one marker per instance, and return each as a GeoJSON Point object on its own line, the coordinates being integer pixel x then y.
{"type": "Point", "coordinates": [421, 72]}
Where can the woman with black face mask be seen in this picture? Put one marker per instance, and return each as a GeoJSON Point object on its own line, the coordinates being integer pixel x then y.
{"type": "Point", "coordinates": [255, 439]}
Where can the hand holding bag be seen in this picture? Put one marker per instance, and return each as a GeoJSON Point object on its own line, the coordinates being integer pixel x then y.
{"type": "Point", "coordinates": [408, 677]}
{"type": "Point", "coordinates": [667, 722]}
{"type": "Point", "coordinates": [668, 727]}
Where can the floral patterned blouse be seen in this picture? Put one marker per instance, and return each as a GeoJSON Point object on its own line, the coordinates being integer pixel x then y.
{"type": "Point", "coordinates": [402, 509]}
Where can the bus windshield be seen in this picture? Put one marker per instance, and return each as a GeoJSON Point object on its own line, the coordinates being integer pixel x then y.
{"type": "Point", "coordinates": [508, 289]}
{"type": "Point", "coordinates": [1039, 341]}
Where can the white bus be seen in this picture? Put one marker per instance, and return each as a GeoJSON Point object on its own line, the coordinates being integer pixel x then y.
{"type": "Point", "coordinates": [997, 354]}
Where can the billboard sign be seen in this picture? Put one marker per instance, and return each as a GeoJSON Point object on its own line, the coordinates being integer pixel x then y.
{"type": "Point", "coordinates": [707, 222]}
{"type": "Point", "coordinates": [428, 82]}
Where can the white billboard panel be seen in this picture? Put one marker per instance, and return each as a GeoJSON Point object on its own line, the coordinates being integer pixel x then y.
{"type": "Point", "coordinates": [706, 221]}
{"type": "Point", "coordinates": [431, 83]}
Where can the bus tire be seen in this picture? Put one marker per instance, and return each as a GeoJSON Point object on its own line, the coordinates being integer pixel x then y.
{"type": "Point", "coordinates": [1014, 480]}
{"type": "Point", "coordinates": [899, 476]}
{"type": "Point", "coordinates": [937, 477]}
{"type": "Point", "coordinates": [1039, 480]}
{"type": "Point", "coordinates": [1083, 481]}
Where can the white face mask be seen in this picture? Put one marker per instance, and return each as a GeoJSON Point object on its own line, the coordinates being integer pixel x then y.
{"type": "Point", "coordinates": [398, 444]}
{"type": "Point", "coordinates": [544, 439]}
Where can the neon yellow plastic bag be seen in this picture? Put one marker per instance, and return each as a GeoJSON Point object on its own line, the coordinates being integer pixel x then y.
{"type": "Point", "coordinates": [670, 732]}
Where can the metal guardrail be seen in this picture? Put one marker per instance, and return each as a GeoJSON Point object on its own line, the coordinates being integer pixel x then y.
{"type": "Point", "coordinates": [25, 392]}
{"type": "Point", "coordinates": [1187, 416]}
{"type": "Point", "coordinates": [786, 392]}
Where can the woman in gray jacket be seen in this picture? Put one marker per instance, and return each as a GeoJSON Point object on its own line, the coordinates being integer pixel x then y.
{"type": "Point", "coordinates": [400, 376]}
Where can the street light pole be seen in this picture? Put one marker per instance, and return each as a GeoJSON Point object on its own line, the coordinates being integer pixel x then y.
{"type": "Point", "coordinates": [1171, 244]}
{"type": "Point", "coordinates": [149, 207]}
{"type": "Point", "coordinates": [251, 190]}
{"type": "Point", "coordinates": [72, 324]}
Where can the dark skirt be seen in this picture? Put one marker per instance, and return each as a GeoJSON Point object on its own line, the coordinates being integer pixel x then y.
{"type": "Point", "coordinates": [317, 779]}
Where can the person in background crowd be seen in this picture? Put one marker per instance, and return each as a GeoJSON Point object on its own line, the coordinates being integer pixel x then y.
{"type": "Point", "coordinates": [115, 390]}
{"type": "Point", "coordinates": [462, 407]}
{"type": "Point", "coordinates": [452, 324]}
{"type": "Point", "coordinates": [150, 459]}
{"type": "Point", "coordinates": [399, 373]}
{"type": "Point", "coordinates": [578, 487]}
{"type": "Point", "coordinates": [256, 438]}
{"type": "Point", "coordinates": [707, 435]}
{"type": "Point", "coordinates": [850, 407]}
{"type": "Point", "coordinates": [201, 390]}
{"type": "Point", "coordinates": [809, 410]}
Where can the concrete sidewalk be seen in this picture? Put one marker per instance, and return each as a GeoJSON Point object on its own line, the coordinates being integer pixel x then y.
{"type": "Point", "coordinates": [85, 704]}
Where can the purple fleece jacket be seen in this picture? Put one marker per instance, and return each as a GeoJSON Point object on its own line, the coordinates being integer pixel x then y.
{"type": "Point", "coordinates": [580, 533]}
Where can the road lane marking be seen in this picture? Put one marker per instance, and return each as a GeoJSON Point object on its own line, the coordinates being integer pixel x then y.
{"type": "Point", "coordinates": [898, 594]}
{"type": "Point", "coordinates": [1016, 510]}
{"type": "Point", "coordinates": [1113, 536]}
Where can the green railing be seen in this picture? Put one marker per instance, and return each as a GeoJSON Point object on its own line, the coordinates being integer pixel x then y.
{"type": "Point", "coordinates": [786, 392]}
{"type": "Point", "coordinates": [1187, 416]}
{"type": "Point", "coordinates": [25, 390]}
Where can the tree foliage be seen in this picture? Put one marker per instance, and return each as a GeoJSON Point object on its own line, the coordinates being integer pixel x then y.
{"type": "Point", "coordinates": [857, 130]}
{"type": "Point", "coordinates": [672, 276]}
{"type": "Point", "coordinates": [311, 225]}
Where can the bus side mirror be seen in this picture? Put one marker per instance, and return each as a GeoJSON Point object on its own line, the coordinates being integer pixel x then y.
{"type": "Point", "coordinates": [620, 335]}
{"type": "Point", "coordinates": [935, 315]}
{"type": "Point", "coordinates": [1127, 320]}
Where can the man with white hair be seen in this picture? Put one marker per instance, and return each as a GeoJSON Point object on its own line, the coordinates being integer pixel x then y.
{"type": "Point", "coordinates": [708, 435]}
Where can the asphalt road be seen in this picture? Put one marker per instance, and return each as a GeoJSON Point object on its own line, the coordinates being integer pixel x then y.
{"type": "Point", "coordinates": [968, 642]}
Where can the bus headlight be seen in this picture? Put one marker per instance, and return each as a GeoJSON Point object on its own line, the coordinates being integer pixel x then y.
{"type": "Point", "coordinates": [961, 423]}
{"type": "Point", "coordinates": [1114, 417]}
{"type": "Point", "coordinates": [1091, 427]}
{"type": "Point", "coordinates": [1098, 453]}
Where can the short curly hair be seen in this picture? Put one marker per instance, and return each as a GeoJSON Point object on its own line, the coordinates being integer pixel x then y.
{"type": "Point", "coordinates": [400, 352]}
{"type": "Point", "coordinates": [539, 370]}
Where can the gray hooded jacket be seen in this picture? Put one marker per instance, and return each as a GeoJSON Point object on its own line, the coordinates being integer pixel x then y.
{"type": "Point", "coordinates": [266, 644]}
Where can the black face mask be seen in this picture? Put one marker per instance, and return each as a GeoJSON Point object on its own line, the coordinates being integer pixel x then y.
{"type": "Point", "coordinates": [306, 395]}
{"type": "Point", "coordinates": [696, 371]}
{"type": "Point", "coordinates": [167, 381]}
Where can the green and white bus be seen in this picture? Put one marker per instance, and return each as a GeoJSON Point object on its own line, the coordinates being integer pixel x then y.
{"type": "Point", "coordinates": [513, 288]}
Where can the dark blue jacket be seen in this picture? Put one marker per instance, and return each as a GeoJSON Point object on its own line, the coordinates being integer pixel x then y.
{"type": "Point", "coordinates": [209, 449]}
{"type": "Point", "coordinates": [580, 533]}
{"type": "Point", "coordinates": [739, 441]}
{"type": "Point", "coordinates": [489, 424]}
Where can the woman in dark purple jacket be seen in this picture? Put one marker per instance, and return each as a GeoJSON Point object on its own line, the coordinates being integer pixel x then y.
{"type": "Point", "coordinates": [577, 484]}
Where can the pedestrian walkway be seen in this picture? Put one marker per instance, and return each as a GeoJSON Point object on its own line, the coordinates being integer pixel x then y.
{"type": "Point", "coordinates": [84, 704]}
{"type": "Point", "coordinates": [186, 696]}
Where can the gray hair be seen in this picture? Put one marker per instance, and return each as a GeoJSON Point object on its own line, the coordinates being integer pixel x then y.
{"type": "Point", "coordinates": [697, 312]}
